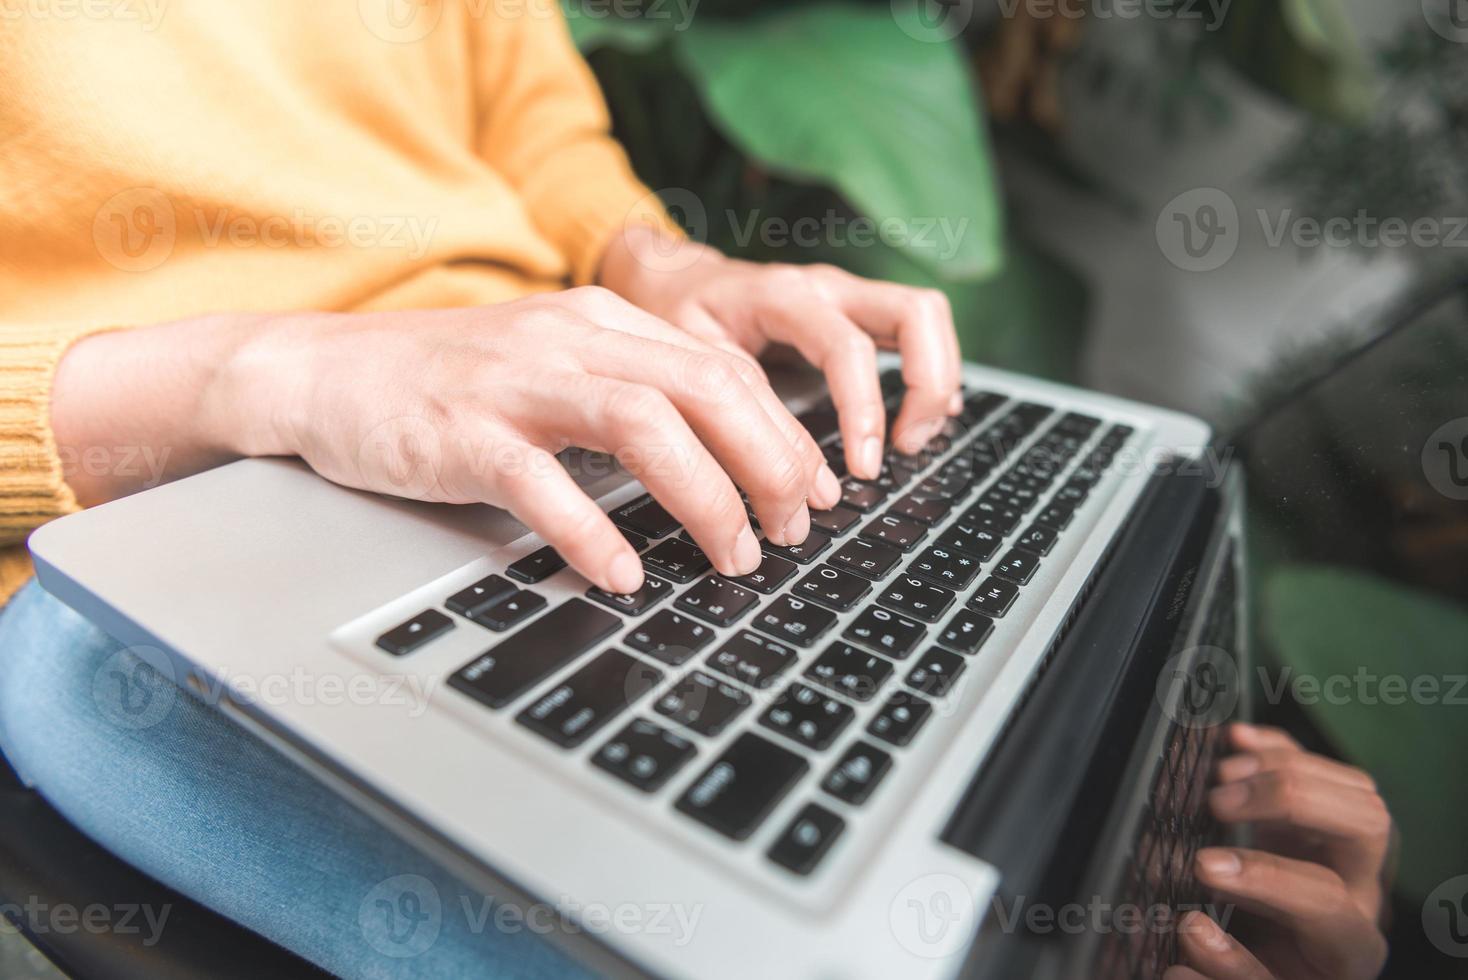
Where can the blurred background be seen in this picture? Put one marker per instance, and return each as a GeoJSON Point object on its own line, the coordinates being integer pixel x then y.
{"type": "Point", "coordinates": [1195, 203]}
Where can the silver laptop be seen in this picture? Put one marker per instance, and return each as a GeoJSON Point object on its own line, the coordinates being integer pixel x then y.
{"type": "Point", "coordinates": [839, 766]}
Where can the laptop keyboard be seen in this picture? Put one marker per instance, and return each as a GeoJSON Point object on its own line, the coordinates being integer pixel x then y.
{"type": "Point", "coordinates": [884, 605]}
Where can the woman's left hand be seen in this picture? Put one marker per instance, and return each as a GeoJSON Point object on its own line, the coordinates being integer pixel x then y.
{"type": "Point", "coordinates": [1309, 900]}
{"type": "Point", "coordinates": [836, 320]}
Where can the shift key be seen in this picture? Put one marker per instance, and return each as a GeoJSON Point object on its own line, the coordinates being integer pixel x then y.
{"type": "Point", "coordinates": [506, 670]}
{"type": "Point", "coordinates": [742, 786]}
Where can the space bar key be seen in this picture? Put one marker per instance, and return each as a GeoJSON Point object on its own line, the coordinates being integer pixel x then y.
{"type": "Point", "coordinates": [506, 670]}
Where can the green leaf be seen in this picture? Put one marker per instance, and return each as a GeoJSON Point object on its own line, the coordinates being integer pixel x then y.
{"type": "Point", "coordinates": [594, 27]}
{"type": "Point", "coordinates": [1337, 622]}
{"type": "Point", "coordinates": [865, 99]}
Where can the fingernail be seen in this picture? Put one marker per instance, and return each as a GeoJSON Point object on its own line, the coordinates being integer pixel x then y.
{"type": "Point", "coordinates": [798, 527]}
{"type": "Point", "coordinates": [827, 488]}
{"type": "Point", "coordinates": [871, 457]}
{"type": "Point", "coordinates": [955, 404]}
{"type": "Point", "coordinates": [1219, 863]}
{"type": "Point", "coordinates": [1239, 766]}
{"type": "Point", "coordinates": [1229, 797]}
{"type": "Point", "coordinates": [626, 573]}
{"type": "Point", "coordinates": [1212, 935]}
{"type": "Point", "coordinates": [746, 552]}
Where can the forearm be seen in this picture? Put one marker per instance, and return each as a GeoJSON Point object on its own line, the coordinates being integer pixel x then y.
{"type": "Point", "coordinates": [131, 409]}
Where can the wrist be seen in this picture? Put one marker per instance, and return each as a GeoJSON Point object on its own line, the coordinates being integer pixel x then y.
{"type": "Point", "coordinates": [641, 262]}
{"type": "Point", "coordinates": [257, 405]}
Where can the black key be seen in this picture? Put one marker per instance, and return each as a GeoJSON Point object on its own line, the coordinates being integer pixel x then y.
{"type": "Point", "coordinates": [670, 637]}
{"type": "Point", "coordinates": [951, 569]}
{"type": "Point", "coordinates": [815, 542]}
{"type": "Point", "coordinates": [742, 786]}
{"type": "Point", "coordinates": [899, 532]}
{"type": "Point", "coordinates": [645, 516]}
{"type": "Point", "coordinates": [868, 558]}
{"type": "Point", "coordinates": [794, 620]}
{"type": "Point", "coordinates": [407, 637]}
{"type": "Point", "coordinates": [977, 540]}
{"type": "Point", "coordinates": [539, 564]}
{"type": "Point", "coordinates": [832, 587]}
{"type": "Point", "coordinates": [508, 669]}
{"type": "Point", "coordinates": [995, 512]}
{"type": "Point", "coordinates": [885, 631]}
{"type": "Point", "coordinates": [860, 495]}
{"type": "Point", "coordinates": [994, 597]}
{"type": "Point", "coordinates": [572, 710]}
{"type": "Point", "coordinates": [927, 510]}
{"type": "Point", "coordinates": [717, 600]}
{"type": "Point", "coordinates": [752, 659]}
{"type": "Point", "coordinates": [849, 671]}
{"type": "Point", "coordinates": [702, 703]}
{"type": "Point", "coordinates": [966, 632]}
{"type": "Point", "coordinates": [676, 559]}
{"type": "Point", "coordinates": [810, 835]}
{"type": "Point", "coordinates": [807, 716]}
{"type": "Point", "coordinates": [837, 520]}
{"type": "Point", "coordinates": [1037, 538]}
{"type": "Point", "coordinates": [637, 541]}
{"type": "Point", "coordinates": [861, 768]}
{"type": "Point", "coordinates": [935, 672]}
{"type": "Point", "coordinates": [509, 611]}
{"type": "Point", "coordinates": [944, 486]}
{"type": "Point", "coordinates": [644, 754]}
{"type": "Point", "coordinates": [900, 718]}
{"type": "Point", "coordinates": [1071, 493]}
{"type": "Point", "coordinates": [916, 598]}
{"type": "Point", "coordinates": [486, 592]}
{"type": "Point", "coordinates": [653, 591]}
{"type": "Point", "coordinates": [1057, 516]}
{"type": "Point", "coordinates": [1018, 566]}
{"type": "Point", "coordinates": [772, 573]}
{"type": "Point", "coordinates": [820, 422]}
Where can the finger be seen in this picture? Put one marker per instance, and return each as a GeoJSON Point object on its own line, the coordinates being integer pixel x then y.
{"type": "Point", "coordinates": [645, 432]}
{"type": "Point", "coordinates": [1183, 973]}
{"type": "Point", "coordinates": [710, 393]}
{"type": "Point", "coordinates": [1354, 821]}
{"type": "Point", "coordinates": [847, 356]}
{"type": "Point", "coordinates": [533, 485]}
{"type": "Point", "coordinates": [919, 323]}
{"type": "Point", "coordinates": [1214, 954]}
{"type": "Point", "coordinates": [605, 309]}
{"type": "Point", "coordinates": [1254, 737]}
{"type": "Point", "coordinates": [1246, 764]}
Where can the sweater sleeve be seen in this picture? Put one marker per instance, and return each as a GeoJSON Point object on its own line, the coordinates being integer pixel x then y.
{"type": "Point", "coordinates": [544, 125]}
{"type": "Point", "coordinates": [33, 486]}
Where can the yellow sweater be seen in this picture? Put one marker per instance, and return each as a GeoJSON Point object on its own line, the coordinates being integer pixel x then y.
{"type": "Point", "coordinates": [160, 160]}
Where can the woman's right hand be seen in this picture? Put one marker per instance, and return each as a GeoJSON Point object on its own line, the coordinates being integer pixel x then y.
{"type": "Point", "coordinates": [470, 406]}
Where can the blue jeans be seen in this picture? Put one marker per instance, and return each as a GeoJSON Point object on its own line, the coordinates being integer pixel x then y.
{"type": "Point", "coordinates": [205, 808]}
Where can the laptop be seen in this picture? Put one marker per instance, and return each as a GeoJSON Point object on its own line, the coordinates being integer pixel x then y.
{"type": "Point", "coordinates": [989, 682]}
